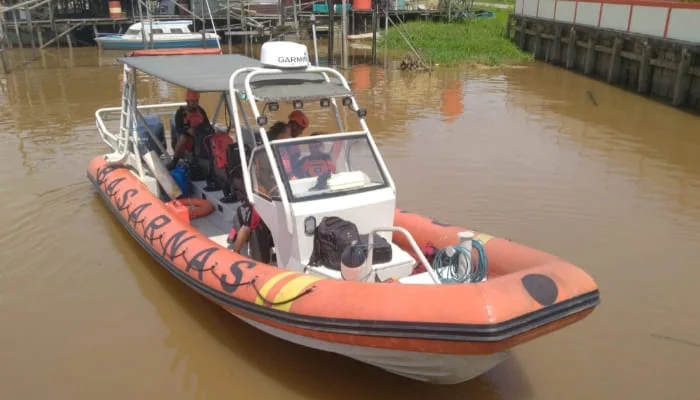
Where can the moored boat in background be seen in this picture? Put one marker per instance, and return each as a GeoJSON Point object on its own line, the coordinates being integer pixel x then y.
{"type": "Point", "coordinates": [158, 35]}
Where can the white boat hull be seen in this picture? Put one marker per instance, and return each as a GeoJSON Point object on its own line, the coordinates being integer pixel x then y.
{"type": "Point", "coordinates": [425, 367]}
{"type": "Point", "coordinates": [158, 35]}
{"type": "Point", "coordinates": [122, 42]}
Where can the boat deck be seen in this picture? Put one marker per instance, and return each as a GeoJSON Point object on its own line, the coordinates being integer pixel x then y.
{"type": "Point", "coordinates": [216, 225]}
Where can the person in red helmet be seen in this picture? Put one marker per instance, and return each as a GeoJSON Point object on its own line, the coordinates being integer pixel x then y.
{"type": "Point", "coordinates": [187, 120]}
{"type": "Point", "coordinates": [298, 122]}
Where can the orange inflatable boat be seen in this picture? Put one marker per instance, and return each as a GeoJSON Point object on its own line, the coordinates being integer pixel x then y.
{"type": "Point", "coordinates": [333, 265]}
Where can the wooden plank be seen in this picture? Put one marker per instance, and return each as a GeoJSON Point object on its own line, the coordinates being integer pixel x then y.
{"type": "Point", "coordinates": [67, 31]}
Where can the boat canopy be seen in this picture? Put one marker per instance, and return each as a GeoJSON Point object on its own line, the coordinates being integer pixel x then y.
{"type": "Point", "coordinates": [211, 73]}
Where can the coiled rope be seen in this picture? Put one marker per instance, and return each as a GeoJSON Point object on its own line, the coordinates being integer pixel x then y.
{"type": "Point", "coordinates": [450, 269]}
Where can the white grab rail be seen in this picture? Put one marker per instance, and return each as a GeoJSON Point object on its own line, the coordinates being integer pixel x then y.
{"type": "Point", "coordinates": [254, 71]}
{"type": "Point", "coordinates": [102, 114]}
{"type": "Point", "coordinates": [266, 144]}
{"type": "Point", "coordinates": [363, 123]}
{"type": "Point", "coordinates": [411, 241]}
{"type": "Point", "coordinates": [235, 106]}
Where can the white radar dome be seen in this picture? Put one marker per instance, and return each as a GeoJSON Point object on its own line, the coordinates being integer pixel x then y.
{"type": "Point", "coordinates": [281, 54]}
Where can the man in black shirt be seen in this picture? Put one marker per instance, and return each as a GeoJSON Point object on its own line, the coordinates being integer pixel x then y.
{"type": "Point", "coordinates": [187, 120]}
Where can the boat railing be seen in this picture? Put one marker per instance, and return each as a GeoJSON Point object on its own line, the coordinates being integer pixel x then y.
{"type": "Point", "coordinates": [252, 72]}
{"type": "Point", "coordinates": [326, 136]}
{"type": "Point", "coordinates": [411, 241]}
{"type": "Point", "coordinates": [118, 142]}
{"type": "Point", "coordinates": [325, 71]}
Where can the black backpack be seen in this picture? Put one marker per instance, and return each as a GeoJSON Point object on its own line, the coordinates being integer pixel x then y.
{"type": "Point", "coordinates": [199, 167]}
{"type": "Point", "coordinates": [202, 134]}
{"type": "Point", "coordinates": [331, 237]}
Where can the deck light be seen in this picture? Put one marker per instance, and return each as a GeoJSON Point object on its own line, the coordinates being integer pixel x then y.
{"type": "Point", "coordinates": [273, 106]}
{"type": "Point", "coordinates": [310, 225]}
{"type": "Point", "coordinates": [262, 120]}
{"type": "Point", "coordinates": [325, 102]}
{"type": "Point", "coordinates": [347, 101]}
{"type": "Point", "coordinates": [362, 112]}
{"type": "Point", "coordinates": [298, 104]}
{"type": "Point", "coordinates": [244, 96]}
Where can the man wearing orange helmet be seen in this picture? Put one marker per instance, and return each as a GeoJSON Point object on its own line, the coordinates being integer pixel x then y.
{"type": "Point", "coordinates": [187, 120]}
{"type": "Point", "coordinates": [297, 122]}
{"type": "Point", "coordinates": [317, 162]}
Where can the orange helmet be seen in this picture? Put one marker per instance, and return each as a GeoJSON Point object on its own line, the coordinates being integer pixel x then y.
{"type": "Point", "coordinates": [300, 118]}
{"type": "Point", "coordinates": [191, 95]}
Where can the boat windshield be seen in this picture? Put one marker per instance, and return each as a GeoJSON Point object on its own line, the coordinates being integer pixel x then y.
{"type": "Point", "coordinates": [326, 166]}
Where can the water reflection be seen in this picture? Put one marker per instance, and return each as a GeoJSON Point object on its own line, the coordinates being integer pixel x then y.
{"type": "Point", "coordinates": [451, 106]}
{"type": "Point", "coordinates": [657, 149]}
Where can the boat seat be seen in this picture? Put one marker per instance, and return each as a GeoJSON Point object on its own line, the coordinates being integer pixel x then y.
{"type": "Point", "coordinates": [401, 265]}
{"type": "Point", "coordinates": [224, 213]}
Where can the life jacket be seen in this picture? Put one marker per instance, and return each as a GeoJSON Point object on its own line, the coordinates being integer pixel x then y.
{"type": "Point", "coordinates": [219, 143]}
{"type": "Point", "coordinates": [315, 167]}
{"type": "Point", "coordinates": [193, 119]}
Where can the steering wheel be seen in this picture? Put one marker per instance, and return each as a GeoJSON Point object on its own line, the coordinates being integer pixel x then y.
{"type": "Point", "coordinates": [321, 181]}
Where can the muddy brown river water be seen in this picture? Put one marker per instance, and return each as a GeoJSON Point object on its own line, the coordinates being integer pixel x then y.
{"type": "Point", "coordinates": [612, 185]}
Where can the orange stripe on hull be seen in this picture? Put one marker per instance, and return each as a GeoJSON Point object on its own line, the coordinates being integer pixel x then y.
{"type": "Point", "coordinates": [528, 293]}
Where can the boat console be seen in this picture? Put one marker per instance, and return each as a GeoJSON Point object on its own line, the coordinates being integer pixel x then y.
{"type": "Point", "coordinates": [340, 174]}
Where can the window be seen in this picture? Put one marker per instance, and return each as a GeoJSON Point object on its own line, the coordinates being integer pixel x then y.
{"type": "Point", "coordinates": [157, 31]}
{"type": "Point", "coordinates": [323, 166]}
{"type": "Point", "coordinates": [176, 30]}
{"type": "Point", "coordinates": [262, 178]}
{"type": "Point", "coordinates": [133, 32]}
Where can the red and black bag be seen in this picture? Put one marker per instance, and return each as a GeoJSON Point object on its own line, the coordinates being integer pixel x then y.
{"type": "Point", "coordinates": [216, 147]}
{"type": "Point", "coordinates": [219, 143]}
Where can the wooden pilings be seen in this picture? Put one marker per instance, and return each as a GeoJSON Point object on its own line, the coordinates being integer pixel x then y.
{"type": "Point", "coordinates": [375, 28]}
{"type": "Point", "coordinates": [660, 68]}
{"type": "Point", "coordinates": [680, 85]}
{"type": "Point", "coordinates": [644, 75]}
{"type": "Point", "coordinates": [62, 34]}
{"type": "Point", "coordinates": [331, 35]}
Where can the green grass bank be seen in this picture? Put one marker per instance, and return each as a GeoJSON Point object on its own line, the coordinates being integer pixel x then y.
{"type": "Point", "coordinates": [479, 42]}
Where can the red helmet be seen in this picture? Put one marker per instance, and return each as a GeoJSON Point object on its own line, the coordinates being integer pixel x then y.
{"type": "Point", "coordinates": [191, 95]}
{"type": "Point", "coordinates": [300, 118]}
